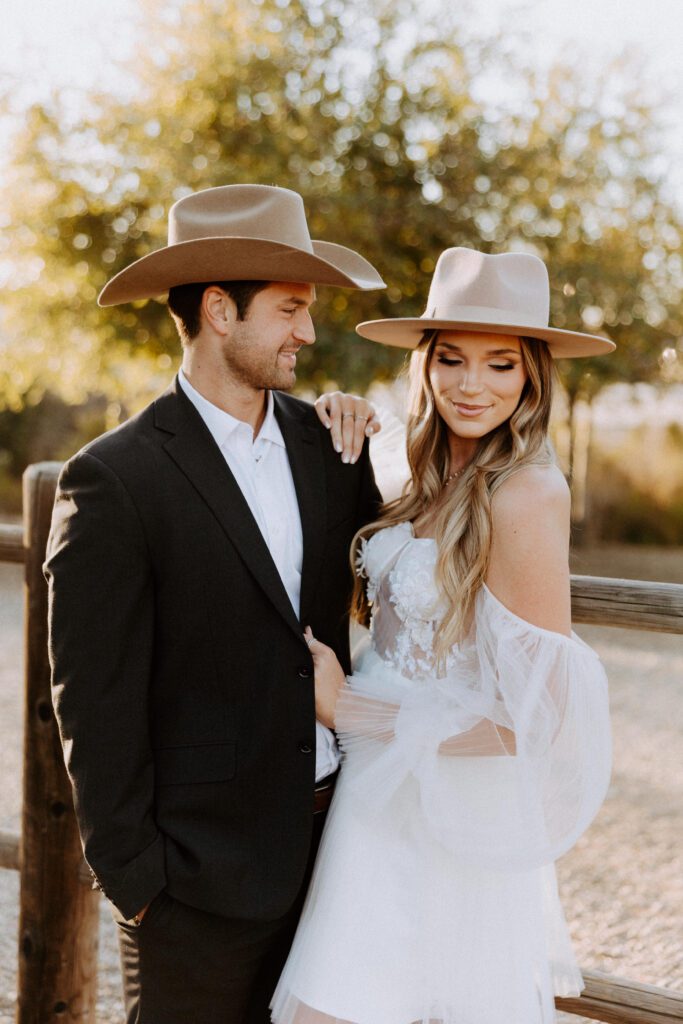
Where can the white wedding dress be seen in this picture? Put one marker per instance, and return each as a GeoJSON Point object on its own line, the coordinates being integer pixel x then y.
{"type": "Point", "coordinates": [434, 897]}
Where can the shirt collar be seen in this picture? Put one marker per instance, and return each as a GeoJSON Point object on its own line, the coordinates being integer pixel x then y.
{"type": "Point", "coordinates": [222, 425]}
{"type": "Point", "coordinates": [270, 431]}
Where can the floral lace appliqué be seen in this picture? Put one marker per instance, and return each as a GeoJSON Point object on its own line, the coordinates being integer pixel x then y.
{"type": "Point", "coordinates": [411, 591]}
{"type": "Point", "coordinates": [361, 569]}
{"type": "Point", "coordinates": [406, 605]}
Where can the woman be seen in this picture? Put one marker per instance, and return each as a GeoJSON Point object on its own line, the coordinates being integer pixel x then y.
{"type": "Point", "coordinates": [475, 725]}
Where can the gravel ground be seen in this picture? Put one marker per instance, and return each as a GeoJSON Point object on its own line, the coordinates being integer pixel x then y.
{"type": "Point", "coordinates": [622, 885]}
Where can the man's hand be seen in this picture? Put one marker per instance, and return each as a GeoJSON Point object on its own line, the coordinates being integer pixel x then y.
{"type": "Point", "coordinates": [329, 679]}
{"type": "Point", "coordinates": [350, 419]}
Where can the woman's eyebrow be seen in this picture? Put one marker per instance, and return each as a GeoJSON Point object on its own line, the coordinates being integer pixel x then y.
{"type": "Point", "coordinates": [489, 352]}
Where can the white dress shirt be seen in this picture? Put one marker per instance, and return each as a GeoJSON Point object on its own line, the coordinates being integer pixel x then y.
{"type": "Point", "coordinates": [262, 471]}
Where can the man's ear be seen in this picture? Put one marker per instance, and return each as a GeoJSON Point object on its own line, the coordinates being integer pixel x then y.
{"type": "Point", "coordinates": [218, 310]}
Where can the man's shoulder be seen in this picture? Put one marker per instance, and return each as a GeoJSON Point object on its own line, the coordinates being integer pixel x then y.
{"type": "Point", "coordinates": [121, 439]}
{"type": "Point", "coordinates": [296, 406]}
{"type": "Point", "coordinates": [134, 444]}
{"type": "Point", "coordinates": [298, 412]}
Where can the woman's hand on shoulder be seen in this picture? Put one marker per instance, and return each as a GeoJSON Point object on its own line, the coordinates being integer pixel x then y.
{"type": "Point", "coordinates": [529, 559]}
{"type": "Point", "coordinates": [350, 419]}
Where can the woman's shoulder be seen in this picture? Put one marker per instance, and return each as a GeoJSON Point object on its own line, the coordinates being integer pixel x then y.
{"type": "Point", "coordinates": [533, 492]}
{"type": "Point", "coordinates": [529, 556]}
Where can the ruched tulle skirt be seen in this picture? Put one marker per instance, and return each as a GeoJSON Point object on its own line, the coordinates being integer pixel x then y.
{"type": "Point", "coordinates": [398, 928]}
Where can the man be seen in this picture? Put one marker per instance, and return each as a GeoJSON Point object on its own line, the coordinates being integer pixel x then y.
{"type": "Point", "coordinates": [189, 550]}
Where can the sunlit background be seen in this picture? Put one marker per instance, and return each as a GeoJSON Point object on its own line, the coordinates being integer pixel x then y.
{"type": "Point", "coordinates": [554, 127]}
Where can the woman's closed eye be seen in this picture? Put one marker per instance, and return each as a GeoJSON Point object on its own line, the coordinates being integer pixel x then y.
{"type": "Point", "coordinates": [502, 367]}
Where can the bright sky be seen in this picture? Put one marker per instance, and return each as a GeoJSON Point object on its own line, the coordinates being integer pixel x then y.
{"type": "Point", "coordinates": [77, 43]}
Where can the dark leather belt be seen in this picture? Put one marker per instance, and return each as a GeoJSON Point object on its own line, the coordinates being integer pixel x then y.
{"type": "Point", "coordinates": [322, 795]}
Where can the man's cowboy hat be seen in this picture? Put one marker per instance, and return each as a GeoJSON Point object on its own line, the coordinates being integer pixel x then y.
{"type": "Point", "coordinates": [239, 233]}
{"type": "Point", "coordinates": [504, 294]}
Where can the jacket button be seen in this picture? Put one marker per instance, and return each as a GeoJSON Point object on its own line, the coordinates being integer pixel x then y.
{"type": "Point", "coordinates": [305, 748]}
{"type": "Point", "coordinates": [305, 672]}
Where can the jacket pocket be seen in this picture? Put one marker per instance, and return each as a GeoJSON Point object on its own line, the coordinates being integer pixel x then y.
{"type": "Point", "coordinates": [210, 762]}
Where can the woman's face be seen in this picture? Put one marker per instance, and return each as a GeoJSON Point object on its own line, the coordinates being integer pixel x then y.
{"type": "Point", "coordinates": [477, 380]}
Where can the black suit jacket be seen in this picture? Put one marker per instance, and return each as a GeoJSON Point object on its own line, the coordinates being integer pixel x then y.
{"type": "Point", "coordinates": [183, 686]}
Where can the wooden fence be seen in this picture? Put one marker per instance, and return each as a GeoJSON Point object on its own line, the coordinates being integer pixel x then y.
{"type": "Point", "coordinates": [57, 978]}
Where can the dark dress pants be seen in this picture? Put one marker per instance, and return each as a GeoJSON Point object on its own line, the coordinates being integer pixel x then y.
{"type": "Point", "coordinates": [184, 965]}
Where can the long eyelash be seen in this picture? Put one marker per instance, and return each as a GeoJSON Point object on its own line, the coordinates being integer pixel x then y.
{"type": "Point", "coordinates": [457, 362]}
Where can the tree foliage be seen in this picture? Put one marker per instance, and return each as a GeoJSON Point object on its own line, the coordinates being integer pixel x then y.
{"type": "Point", "coordinates": [383, 120]}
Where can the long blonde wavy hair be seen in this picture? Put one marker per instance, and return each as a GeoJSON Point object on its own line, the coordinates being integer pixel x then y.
{"type": "Point", "coordinates": [462, 526]}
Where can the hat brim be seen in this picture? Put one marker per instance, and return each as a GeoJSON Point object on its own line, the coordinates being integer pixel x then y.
{"type": "Point", "coordinates": [406, 332]}
{"type": "Point", "coordinates": [238, 259]}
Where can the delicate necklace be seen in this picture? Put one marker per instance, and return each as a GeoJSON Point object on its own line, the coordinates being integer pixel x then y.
{"type": "Point", "coordinates": [454, 476]}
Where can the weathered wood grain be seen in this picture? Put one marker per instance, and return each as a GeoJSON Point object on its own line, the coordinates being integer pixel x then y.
{"type": "Point", "coordinates": [12, 543]}
{"type": "Point", "coordinates": [58, 914]}
{"type": "Point", "coordinates": [620, 1001]}
{"type": "Point", "coordinates": [634, 604]}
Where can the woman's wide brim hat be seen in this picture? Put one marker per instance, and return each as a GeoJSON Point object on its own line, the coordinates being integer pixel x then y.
{"type": "Point", "coordinates": [239, 233]}
{"type": "Point", "coordinates": [507, 293]}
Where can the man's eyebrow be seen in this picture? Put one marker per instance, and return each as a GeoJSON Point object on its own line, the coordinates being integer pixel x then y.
{"type": "Point", "coordinates": [296, 301]}
{"type": "Point", "coordinates": [489, 352]}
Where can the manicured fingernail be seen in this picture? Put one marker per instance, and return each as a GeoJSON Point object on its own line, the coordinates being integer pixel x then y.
{"type": "Point", "coordinates": [369, 431]}
{"type": "Point", "coordinates": [345, 458]}
{"type": "Point", "coordinates": [353, 460]}
{"type": "Point", "coordinates": [328, 424]}
{"type": "Point", "coordinates": [337, 446]}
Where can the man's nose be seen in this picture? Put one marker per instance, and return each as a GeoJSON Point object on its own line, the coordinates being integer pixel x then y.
{"type": "Point", "coordinates": [304, 331]}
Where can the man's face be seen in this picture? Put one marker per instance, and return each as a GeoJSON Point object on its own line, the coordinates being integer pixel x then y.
{"type": "Point", "coordinates": [260, 351]}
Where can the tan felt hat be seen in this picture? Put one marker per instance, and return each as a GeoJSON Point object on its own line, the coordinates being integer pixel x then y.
{"type": "Point", "coordinates": [239, 233]}
{"type": "Point", "coordinates": [507, 293]}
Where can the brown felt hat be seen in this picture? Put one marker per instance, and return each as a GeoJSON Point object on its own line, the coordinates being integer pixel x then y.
{"type": "Point", "coordinates": [508, 293]}
{"type": "Point", "coordinates": [239, 233]}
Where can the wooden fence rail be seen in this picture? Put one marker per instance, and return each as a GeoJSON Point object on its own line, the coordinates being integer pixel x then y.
{"type": "Point", "coordinates": [634, 604]}
{"type": "Point", "coordinates": [12, 543]}
{"type": "Point", "coordinates": [9, 850]}
{"type": "Point", "coordinates": [620, 1001]}
{"type": "Point", "coordinates": [58, 910]}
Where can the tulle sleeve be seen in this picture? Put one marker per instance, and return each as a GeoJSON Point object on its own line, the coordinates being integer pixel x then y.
{"type": "Point", "coordinates": [509, 750]}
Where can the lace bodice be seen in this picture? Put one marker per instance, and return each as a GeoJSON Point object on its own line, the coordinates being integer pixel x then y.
{"type": "Point", "coordinates": [406, 606]}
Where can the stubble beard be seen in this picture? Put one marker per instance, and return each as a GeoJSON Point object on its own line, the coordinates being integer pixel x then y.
{"type": "Point", "coordinates": [258, 375]}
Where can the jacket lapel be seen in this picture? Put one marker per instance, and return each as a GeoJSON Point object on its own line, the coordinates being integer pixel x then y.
{"type": "Point", "coordinates": [303, 444]}
{"type": "Point", "coordinates": [197, 455]}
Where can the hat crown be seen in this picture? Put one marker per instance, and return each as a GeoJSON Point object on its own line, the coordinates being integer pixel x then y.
{"type": "Point", "coordinates": [507, 288]}
{"type": "Point", "coordinates": [241, 211]}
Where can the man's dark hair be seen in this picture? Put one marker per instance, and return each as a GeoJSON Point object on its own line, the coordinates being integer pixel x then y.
{"type": "Point", "coordinates": [184, 302]}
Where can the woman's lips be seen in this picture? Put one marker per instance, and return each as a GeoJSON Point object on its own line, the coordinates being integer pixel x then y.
{"type": "Point", "coordinates": [470, 410]}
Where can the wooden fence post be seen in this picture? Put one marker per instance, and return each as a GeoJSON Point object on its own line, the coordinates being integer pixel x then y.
{"type": "Point", "coordinates": [58, 919]}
